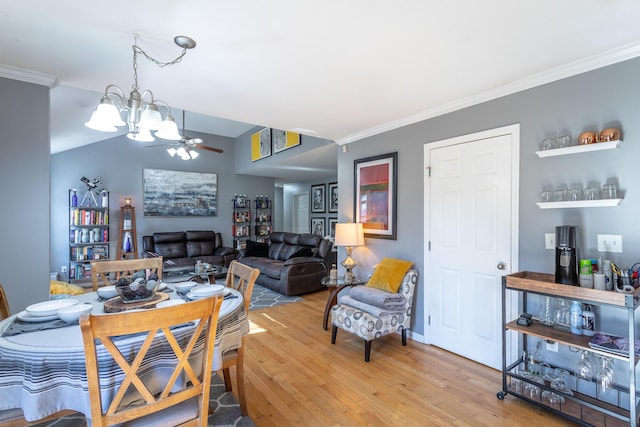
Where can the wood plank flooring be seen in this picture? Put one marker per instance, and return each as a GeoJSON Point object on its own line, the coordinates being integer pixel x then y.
{"type": "Point", "coordinates": [295, 376]}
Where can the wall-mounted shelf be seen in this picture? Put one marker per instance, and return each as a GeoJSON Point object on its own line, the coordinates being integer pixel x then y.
{"type": "Point", "coordinates": [575, 149]}
{"type": "Point", "coordinates": [602, 203]}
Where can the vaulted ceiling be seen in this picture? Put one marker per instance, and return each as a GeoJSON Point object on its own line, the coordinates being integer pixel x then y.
{"type": "Point", "coordinates": [340, 70]}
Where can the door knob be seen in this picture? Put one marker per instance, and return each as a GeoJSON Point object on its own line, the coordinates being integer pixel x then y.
{"type": "Point", "coordinates": [501, 266]}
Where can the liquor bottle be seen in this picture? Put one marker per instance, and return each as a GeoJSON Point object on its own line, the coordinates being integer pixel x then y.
{"type": "Point", "coordinates": [576, 318]}
{"type": "Point", "coordinates": [74, 199]}
{"type": "Point", "coordinates": [127, 245]}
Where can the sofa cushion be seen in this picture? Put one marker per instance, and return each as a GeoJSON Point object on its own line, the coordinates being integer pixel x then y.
{"type": "Point", "coordinates": [200, 243]}
{"type": "Point", "coordinates": [302, 252]}
{"type": "Point", "coordinates": [258, 249]}
{"type": "Point", "coordinates": [171, 244]}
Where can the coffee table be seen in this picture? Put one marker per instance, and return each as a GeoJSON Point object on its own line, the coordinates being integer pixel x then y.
{"type": "Point", "coordinates": [337, 286]}
{"type": "Point", "coordinates": [184, 273]}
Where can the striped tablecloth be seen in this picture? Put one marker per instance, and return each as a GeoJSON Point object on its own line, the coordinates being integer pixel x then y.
{"type": "Point", "coordinates": [44, 372]}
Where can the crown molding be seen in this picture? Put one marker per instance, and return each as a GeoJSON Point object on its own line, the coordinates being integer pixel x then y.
{"type": "Point", "coordinates": [28, 76]}
{"type": "Point", "coordinates": [614, 56]}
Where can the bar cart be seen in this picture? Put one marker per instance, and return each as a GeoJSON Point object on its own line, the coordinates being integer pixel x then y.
{"type": "Point", "coordinates": [580, 407]}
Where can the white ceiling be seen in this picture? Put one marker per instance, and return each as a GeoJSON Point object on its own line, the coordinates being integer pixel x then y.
{"type": "Point", "coordinates": [340, 70]}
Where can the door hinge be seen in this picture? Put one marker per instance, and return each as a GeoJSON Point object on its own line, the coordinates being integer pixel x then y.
{"type": "Point", "coordinates": [429, 246]}
{"type": "Point", "coordinates": [429, 320]}
{"type": "Point", "coordinates": [428, 168]}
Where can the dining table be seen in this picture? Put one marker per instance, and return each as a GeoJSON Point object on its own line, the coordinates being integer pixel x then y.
{"type": "Point", "coordinates": [43, 371]}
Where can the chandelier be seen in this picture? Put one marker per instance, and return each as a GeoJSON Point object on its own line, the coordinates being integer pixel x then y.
{"type": "Point", "coordinates": [143, 114]}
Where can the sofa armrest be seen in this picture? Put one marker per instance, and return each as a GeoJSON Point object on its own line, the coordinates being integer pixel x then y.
{"type": "Point", "coordinates": [223, 250]}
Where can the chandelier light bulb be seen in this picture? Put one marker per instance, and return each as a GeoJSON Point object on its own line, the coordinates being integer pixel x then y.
{"type": "Point", "coordinates": [169, 130]}
{"type": "Point", "coordinates": [150, 117]}
{"type": "Point", "coordinates": [143, 135]}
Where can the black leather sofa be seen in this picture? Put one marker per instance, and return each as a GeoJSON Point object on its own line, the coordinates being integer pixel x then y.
{"type": "Point", "coordinates": [290, 263]}
{"type": "Point", "coordinates": [184, 248]}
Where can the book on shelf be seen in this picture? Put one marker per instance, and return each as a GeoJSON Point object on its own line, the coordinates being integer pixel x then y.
{"type": "Point", "coordinates": [613, 344]}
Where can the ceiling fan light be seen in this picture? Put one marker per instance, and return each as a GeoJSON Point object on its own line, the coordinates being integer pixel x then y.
{"type": "Point", "coordinates": [185, 157]}
{"type": "Point", "coordinates": [169, 130]}
{"type": "Point", "coordinates": [150, 117]}
{"type": "Point", "coordinates": [193, 154]}
{"type": "Point", "coordinates": [172, 151]}
{"type": "Point", "coordinates": [181, 152]}
{"type": "Point", "coordinates": [143, 135]}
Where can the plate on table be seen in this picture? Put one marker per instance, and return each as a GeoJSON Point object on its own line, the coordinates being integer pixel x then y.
{"type": "Point", "coordinates": [202, 291]}
{"type": "Point", "coordinates": [162, 286]}
{"type": "Point", "coordinates": [26, 317]}
{"type": "Point", "coordinates": [49, 308]}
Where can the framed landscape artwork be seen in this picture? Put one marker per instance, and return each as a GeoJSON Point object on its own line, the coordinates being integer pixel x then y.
{"type": "Point", "coordinates": [177, 193]}
{"type": "Point", "coordinates": [283, 140]}
{"type": "Point", "coordinates": [317, 226]}
{"type": "Point", "coordinates": [318, 198]}
{"type": "Point", "coordinates": [376, 181]}
{"type": "Point", "coordinates": [261, 144]}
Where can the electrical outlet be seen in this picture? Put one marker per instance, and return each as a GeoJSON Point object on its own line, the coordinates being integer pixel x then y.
{"type": "Point", "coordinates": [549, 240]}
{"type": "Point", "coordinates": [63, 269]}
{"type": "Point", "coordinates": [552, 346]}
{"type": "Point", "coordinates": [610, 243]}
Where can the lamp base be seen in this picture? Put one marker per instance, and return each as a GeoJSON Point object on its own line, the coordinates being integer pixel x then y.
{"type": "Point", "coordinates": [349, 277]}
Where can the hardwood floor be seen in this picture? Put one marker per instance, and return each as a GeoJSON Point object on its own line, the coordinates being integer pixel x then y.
{"type": "Point", "coordinates": [295, 376]}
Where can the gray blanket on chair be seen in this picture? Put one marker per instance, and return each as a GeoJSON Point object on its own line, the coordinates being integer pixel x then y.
{"type": "Point", "coordinates": [377, 297]}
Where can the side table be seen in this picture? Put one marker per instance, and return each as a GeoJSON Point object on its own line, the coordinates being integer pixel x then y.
{"type": "Point", "coordinates": [337, 286]}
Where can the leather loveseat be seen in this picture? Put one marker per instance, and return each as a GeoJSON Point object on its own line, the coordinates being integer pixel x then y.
{"type": "Point", "coordinates": [184, 248]}
{"type": "Point", "coordinates": [290, 263]}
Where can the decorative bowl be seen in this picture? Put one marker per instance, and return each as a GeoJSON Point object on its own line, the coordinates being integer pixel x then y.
{"type": "Point", "coordinates": [107, 292]}
{"type": "Point", "coordinates": [72, 313]}
{"type": "Point", "coordinates": [137, 290]}
{"type": "Point", "coordinates": [184, 287]}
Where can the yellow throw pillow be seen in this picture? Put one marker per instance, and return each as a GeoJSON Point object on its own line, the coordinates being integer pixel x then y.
{"type": "Point", "coordinates": [57, 287]}
{"type": "Point", "coordinates": [388, 274]}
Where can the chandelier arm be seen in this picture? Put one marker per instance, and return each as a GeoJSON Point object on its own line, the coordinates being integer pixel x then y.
{"type": "Point", "coordinates": [119, 93]}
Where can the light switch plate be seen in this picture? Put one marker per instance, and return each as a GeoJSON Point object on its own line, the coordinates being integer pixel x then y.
{"type": "Point", "coordinates": [610, 243]}
{"type": "Point", "coordinates": [549, 240]}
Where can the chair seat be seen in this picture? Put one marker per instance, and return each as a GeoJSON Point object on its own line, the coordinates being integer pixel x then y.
{"type": "Point", "coordinates": [365, 324]}
{"type": "Point", "coordinates": [172, 416]}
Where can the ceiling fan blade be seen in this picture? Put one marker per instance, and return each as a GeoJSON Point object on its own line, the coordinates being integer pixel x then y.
{"type": "Point", "coordinates": [206, 147]}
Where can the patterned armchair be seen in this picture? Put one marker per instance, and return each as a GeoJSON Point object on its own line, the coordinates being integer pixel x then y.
{"type": "Point", "coordinates": [372, 313]}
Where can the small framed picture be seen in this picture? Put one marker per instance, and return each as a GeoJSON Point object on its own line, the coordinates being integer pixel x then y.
{"type": "Point", "coordinates": [240, 201]}
{"type": "Point", "coordinates": [332, 227]}
{"type": "Point", "coordinates": [318, 198]}
{"type": "Point", "coordinates": [317, 226]}
{"type": "Point", "coordinates": [261, 144]}
{"type": "Point", "coordinates": [333, 197]}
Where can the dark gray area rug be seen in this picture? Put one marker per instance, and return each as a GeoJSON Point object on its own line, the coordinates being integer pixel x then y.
{"type": "Point", "coordinates": [226, 411]}
{"type": "Point", "coordinates": [262, 297]}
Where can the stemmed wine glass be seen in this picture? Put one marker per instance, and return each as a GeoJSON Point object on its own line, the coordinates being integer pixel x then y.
{"type": "Point", "coordinates": [604, 379]}
{"type": "Point", "coordinates": [584, 368]}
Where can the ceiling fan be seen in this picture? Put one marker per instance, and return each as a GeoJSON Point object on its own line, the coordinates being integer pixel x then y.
{"type": "Point", "coordinates": [186, 146]}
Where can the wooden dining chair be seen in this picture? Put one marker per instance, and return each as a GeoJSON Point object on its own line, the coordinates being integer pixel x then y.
{"type": "Point", "coordinates": [101, 270]}
{"type": "Point", "coordinates": [4, 304]}
{"type": "Point", "coordinates": [162, 404]}
{"type": "Point", "coordinates": [241, 278]}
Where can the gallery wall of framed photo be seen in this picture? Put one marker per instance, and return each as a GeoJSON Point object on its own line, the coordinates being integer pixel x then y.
{"type": "Point", "coordinates": [324, 208]}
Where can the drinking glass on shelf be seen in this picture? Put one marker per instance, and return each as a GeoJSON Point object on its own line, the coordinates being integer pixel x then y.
{"type": "Point", "coordinates": [546, 196]}
{"type": "Point", "coordinates": [563, 141]}
{"type": "Point", "coordinates": [608, 191]}
{"type": "Point", "coordinates": [575, 194]}
{"type": "Point", "coordinates": [560, 383]}
{"type": "Point", "coordinates": [591, 193]}
{"type": "Point", "coordinates": [548, 144]}
{"type": "Point", "coordinates": [560, 195]}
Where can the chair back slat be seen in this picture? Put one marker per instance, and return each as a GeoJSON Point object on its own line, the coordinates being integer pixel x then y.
{"type": "Point", "coordinates": [163, 327]}
{"type": "Point", "coordinates": [241, 277]}
{"type": "Point", "coordinates": [101, 270]}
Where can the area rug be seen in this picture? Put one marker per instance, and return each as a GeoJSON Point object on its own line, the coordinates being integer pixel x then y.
{"type": "Point", "coordinates": [226, 411]}
{"type": "Point", "coordinates": [262, 297]}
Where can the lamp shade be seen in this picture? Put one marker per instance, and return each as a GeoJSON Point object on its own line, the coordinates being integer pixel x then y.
{"type": "Point", "coordinates": [349, 234]}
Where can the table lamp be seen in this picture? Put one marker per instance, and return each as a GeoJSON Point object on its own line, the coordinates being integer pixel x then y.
{"type": "Point", "coordinates": [349, 234]}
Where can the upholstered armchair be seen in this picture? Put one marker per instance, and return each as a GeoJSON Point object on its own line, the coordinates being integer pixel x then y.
{"type": "Point", "coordinates": [371, 313]}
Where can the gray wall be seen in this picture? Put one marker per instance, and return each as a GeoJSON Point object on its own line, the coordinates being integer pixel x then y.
{"type": "Point", "coordinates": [606, 97]}
{"type": "Point", "coordinates": [24, 191]}
{"type": "Point", "coordinates": [118, 163]}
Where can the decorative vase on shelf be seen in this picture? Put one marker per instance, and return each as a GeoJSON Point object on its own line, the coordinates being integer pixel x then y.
{"type": "Point", "coordinates": [84, 237]}
{"type": "Point", "coordinates": [74, 199]}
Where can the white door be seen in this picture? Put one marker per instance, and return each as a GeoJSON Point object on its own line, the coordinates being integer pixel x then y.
{"type": "Point", "coordinates": [301, 212]}
{"type": "Point", "coordinates": [471, 200]}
